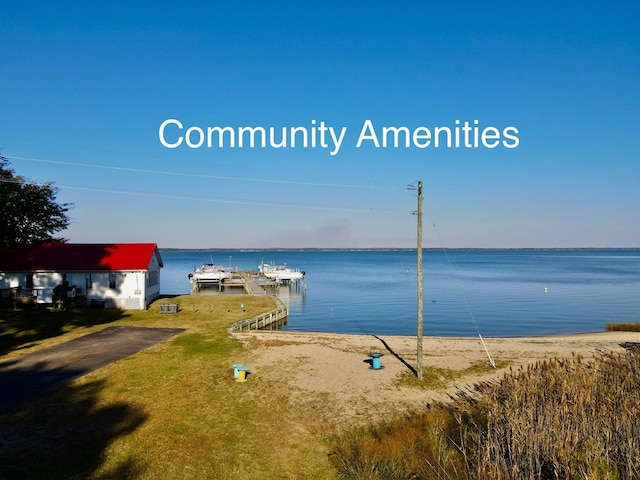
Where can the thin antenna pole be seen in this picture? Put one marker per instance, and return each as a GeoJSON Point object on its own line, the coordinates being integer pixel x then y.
{"type": "Point", "coordinates": [420, 290]}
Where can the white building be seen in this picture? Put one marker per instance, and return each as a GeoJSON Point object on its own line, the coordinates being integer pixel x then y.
{"type": "Point", "coordinates": [122, 275]}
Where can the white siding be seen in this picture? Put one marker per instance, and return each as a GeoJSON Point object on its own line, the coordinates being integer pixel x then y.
{"type": "Point", "coordinates": [152, 280]}
{"type": "Point", "coordinates": [11, 280]}
{"type": "Point", "coordinates": [126, 290]}
{"type": "Point", "coordinates": [43, 283]}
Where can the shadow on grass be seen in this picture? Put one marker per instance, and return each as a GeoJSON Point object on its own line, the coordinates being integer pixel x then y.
{"type": "Point", "coordinates": [24, 328]}
{"type": "Point", "coordinates": [65, 434]}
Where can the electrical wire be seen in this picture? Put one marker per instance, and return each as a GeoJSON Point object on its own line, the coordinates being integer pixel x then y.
{"type": "Point", "coordinates": [205, 199]}
{"type": "Point", "coordinates": [198, 175]}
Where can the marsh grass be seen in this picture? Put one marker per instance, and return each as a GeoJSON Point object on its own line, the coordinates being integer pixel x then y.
{"type": "Point", "coordinates": [623, 327]}
{"type": "Point", "coordinates": [414, 446]}
{"type": "Point", "coordinates": [171, 411]}
{"type": "Point", "coordinates": [556, 419]}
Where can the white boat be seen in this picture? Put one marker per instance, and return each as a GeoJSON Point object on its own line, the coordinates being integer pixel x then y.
{"type": "Point", "coordinates": [280, 273]}
{"type": "Point", "coordinates": [208, 273]}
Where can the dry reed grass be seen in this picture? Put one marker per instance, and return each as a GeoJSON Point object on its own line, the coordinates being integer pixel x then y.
{"type": "Point", "coordinates": [623, 327]}
{"type": "Point", "coordinates": [555, 419]}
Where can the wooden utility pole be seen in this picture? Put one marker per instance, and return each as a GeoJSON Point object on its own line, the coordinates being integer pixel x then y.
{"type": "Point", "coordinates": [420, 292]}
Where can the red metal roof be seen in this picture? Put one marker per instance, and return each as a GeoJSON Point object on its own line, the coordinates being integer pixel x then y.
{"type": "Point", "coordinates": [80, 257]}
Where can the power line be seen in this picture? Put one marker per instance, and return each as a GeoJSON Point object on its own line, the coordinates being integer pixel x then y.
{"type": "Point", "coordinates": [197, 175]}
{"type": "Point", "coordinates": [204, 199]}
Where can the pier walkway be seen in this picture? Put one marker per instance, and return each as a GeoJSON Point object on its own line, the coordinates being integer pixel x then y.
{"type": "Point", "coordinates": [255, 283]}
{"type": "Point", "coordinates": [250, 284]}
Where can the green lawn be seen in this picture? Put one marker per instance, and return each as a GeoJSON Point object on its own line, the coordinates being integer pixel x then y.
{"type": "Point", "coordinates": [171, 411]}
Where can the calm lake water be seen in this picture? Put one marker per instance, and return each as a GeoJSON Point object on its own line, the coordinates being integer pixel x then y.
{"type": "Point", "coordinates": [500, 293]}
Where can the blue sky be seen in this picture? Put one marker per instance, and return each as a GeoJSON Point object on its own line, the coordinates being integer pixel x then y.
{"type": "Point", "coordinates": [85, 88]}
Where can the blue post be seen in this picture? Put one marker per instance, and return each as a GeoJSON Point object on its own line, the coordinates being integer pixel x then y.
{"type": "Point", "coordinates": [375, 361]}
{"type": "Point", "coordinates": [236, 369]}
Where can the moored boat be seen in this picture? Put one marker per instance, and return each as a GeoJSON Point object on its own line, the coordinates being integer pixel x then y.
{"type": "Point", "coordinates": [280, 273]}
{"type": "Point", "coordinates": [208, 273]}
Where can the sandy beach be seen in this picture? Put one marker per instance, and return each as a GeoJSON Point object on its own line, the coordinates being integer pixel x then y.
{"type": "Point", "coordinates": [329, 375]}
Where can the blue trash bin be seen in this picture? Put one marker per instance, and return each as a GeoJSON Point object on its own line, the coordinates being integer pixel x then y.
{"type": "Point", "coordinates": [375, 361]}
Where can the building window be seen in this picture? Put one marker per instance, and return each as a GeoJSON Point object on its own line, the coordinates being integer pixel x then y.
{"type": "Point", "coordinates": [29, 281]}
{"type": "Point", "coordinates": [88, 281]}
{"type": "Point", "coordinates": [112, 280]}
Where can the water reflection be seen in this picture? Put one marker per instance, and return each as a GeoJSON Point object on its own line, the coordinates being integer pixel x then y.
{"type": "Point", "coordinates": [498, 292]}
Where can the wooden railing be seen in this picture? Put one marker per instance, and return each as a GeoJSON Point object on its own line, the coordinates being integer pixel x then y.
{"type": "Point", "coordinates": [261, 321]}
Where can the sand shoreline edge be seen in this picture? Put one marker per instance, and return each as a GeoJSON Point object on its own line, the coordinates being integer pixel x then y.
{"type": "Point", "coordinates": [329, 374]}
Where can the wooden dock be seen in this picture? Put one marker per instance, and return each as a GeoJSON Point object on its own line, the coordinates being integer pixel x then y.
{"type": "Point", "coordinates": [250, 284]}
{"type": "Point", "coordinates": [254, 283]}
